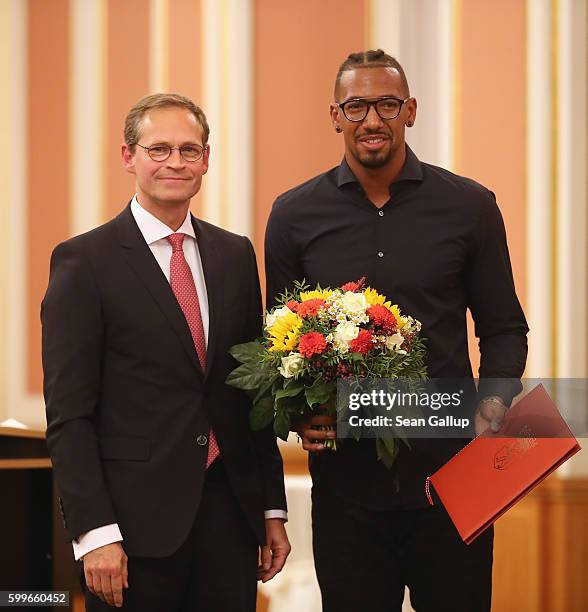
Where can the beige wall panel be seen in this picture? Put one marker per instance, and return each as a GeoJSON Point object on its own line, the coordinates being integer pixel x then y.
{"type": "Point", "coordinates": [87, 126]}
{"type": "Point", "coordinates": [571, 270]}
{"type": "Point", "coordinates": [48, 159]}
{"type": "Point", "coordinates": [491, 135]}
{"type": "Point", "coordinates": [185, 48]}
{"type": "Point", "coordinates": [517, 563]}
{"type": "Point", "coordinates": [127, 80]}
{"type": "Point", "coordinates": [298, 49]}
{"type": "Point", "coordinates": [227, 77]}
{"type": "Point", "coordinates": [565, 544]}
{"type": "Point", "coordinates": [540, 550]}
{"type": "Point", "coordinates": [5, 197]}
{"type": "Point", "coordinates": [492, 139]}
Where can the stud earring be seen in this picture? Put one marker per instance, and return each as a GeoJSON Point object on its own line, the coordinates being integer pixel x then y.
{"type": "Point", "coordinates": [338, 129]}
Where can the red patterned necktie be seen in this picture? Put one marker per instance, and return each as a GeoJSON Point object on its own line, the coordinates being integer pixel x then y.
{"type": "Point", "coordinates": [182, 283]}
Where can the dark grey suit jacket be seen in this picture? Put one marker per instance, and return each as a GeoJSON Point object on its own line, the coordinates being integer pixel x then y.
{"type": "Point", "coordinates": [125, 394]}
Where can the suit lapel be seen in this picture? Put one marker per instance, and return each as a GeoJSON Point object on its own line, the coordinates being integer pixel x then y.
{"type": "Point", "coordinates": [212, 264]}
{"type": "Point", "coordinates": [138, 254]}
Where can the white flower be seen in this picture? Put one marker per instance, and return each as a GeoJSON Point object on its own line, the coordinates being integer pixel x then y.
{"type": "Point", "coordinates": [345, 332]}
{"type": "Point", "coordinates": [354, 302]}
{"type": "Point", "coordinates": [291, 365]}
{"type": "Point", "coordinates": [410, 324]}
{"type": "Point", "coordinates": [270, 318]}
{"type": "Point", "coordinates": [394, 342]}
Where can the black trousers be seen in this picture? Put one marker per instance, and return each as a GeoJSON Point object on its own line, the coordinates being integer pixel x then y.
{"type": "Point", "coordinates": [364, 559]}
{"type": "Point", "coordinates": [215, 569]}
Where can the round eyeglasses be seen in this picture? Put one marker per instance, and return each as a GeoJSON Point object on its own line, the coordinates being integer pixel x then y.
{"type": "Point", "coordinates": [160, 152]}
{"type": "Point", "coordinates": [358, 109]}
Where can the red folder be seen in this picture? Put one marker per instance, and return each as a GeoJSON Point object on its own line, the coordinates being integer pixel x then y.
{"type": "Point", "coordinates": [495, 470]}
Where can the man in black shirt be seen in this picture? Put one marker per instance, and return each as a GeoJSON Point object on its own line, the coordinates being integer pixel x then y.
{"type": "Point", "coordinates": [435, 244]}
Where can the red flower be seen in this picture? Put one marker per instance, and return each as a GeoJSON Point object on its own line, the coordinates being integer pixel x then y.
{"type": "Point", "coordinates": [311, 344]}
{"type": "Point", "coordinates": [349, 287]}
{"type": "Point", "coordinates": [292, 305]}
{"type": "Point", "coordinates": [343, 371]}
{"type": "Point", "coordinates": [356, 286]}
{"type": "Point", "coordinates": [382, 318]}
{"type": "Point", "coordinates": [363, 343]}
{"type": "Point", "coordinates": [310, 307]}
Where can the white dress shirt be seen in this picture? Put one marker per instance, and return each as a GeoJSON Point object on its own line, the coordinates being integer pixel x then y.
{"type": "Point", "coordinates": [155, 233]}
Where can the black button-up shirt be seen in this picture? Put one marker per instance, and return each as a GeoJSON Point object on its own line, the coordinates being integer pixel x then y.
{"type": "Point", "coordinates": [436, 248]}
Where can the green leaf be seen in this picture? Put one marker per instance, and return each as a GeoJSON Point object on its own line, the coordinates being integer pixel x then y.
{"type": "Point", "coordinates": [246, 377]}
{"type": "Point", "coordinates": [291, 391]}
{"type": "Point", "coordinates": [387, 449]}
{"type": "Point", "coordinates": [265, 388]}
{"type": "Point", "coordinates": [399, 433]}
{"type": "Point", "coordinates": [282, 424]}
{"type": "Point", "coordinates": [288, 382]}
{"type": "Point", "coordinates": [277, 385]}
{"type": "Point", "coordinates": [319, 392]}
{"type": "Point", "coordinates": [248, 352]}
{"type": "Point", "coordinates": [293, 406]}
{"type": "Point", "coordinates": [262, 414]}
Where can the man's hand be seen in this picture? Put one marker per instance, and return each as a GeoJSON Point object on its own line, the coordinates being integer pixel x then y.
{"type": "Point", "coordinates": [490, 413]}
{"type": "Point", "coordinates": [106, 572]}
{"type": "Point", "coordinates": [312, 439]}
{"type": "Point", "coordinates": [275, 551]}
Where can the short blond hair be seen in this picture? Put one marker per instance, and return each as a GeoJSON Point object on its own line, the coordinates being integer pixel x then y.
{"type": "Point", "coordinates": [135, 116]}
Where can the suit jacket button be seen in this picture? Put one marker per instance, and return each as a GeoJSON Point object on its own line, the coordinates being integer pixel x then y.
{"type": "Point", "coordinates": [202, 440]}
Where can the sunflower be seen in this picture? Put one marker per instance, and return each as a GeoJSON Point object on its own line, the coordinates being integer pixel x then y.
{"type": "Point", "coordinates": [395, 311]}
{"type": "Point", "coordinates": [284, 332]}
{"type": "Point", "coordinates": [317, 294]}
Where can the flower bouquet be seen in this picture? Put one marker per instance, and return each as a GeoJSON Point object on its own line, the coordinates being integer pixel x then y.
{"type": "Point", "coordinates": [313, 337]}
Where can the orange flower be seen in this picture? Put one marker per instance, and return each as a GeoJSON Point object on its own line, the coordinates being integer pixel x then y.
{"type": "Point", "coordinates": [349, 287]}
{"type": "Point", "coordinates": [311, 344]}
{"type": "Point", "coordinates": [310, 307]}
{"type": "Point", "coordinates": [292, 305]}
{"type": "Point", "coordinates": [382, 318]}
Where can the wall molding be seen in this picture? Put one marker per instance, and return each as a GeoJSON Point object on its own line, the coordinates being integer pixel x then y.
{"type": "Point", "coordinates": [420, 34]}
{"type": "Point", "coordinates": [22, 405]}
{"type": "Point", "coordinates": [228, 103]}
{"type": "Point", "coordinates": [539, 180]}
{"type": "Point", "coordinates": [158, 45]}
{"type": "Point", "coordinates": [87, 139]}
{"type": "Point", "coordinates": [6, 69]}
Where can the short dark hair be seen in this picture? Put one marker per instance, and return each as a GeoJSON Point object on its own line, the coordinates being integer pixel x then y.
{"type": "Point", "coordinates": [372, 58]}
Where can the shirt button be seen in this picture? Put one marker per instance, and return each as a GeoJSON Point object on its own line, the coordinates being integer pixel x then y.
{"type": "Point", "coordinates": [380, 254]}
{"type": "Point", "coordinates": [201, 440]}
{"type": "Point", "coordinates": [381, 213]}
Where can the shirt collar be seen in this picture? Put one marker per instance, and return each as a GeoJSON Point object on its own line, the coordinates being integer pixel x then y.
{"type": "Point", "coordinates": [153, 229]}
{"type": "Point", "coordinates": [411, 170]}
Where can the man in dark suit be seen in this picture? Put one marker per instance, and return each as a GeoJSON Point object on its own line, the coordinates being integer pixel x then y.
{"type": "Point", "coordinates": [434, 243]}
{"type": "Point", "coordinates": [164, 490]}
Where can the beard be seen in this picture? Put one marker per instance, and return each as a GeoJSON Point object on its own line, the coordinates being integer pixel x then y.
{"type": "Point", "coordinates": [376, 159]}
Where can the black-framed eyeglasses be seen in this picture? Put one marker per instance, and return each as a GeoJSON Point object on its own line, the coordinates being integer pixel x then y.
{"type": "Point", "coordinates": [357, 109]}
{"type": "Point", "coordinates": [160, 152]}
